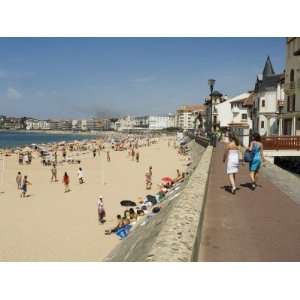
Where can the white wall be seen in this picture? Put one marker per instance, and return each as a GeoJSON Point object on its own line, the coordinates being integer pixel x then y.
{"type": "Point", "coordinates": [226, 115]}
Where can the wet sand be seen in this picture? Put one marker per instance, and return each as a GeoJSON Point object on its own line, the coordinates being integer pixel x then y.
{"type": "Point", "coordinates": [51, 225]}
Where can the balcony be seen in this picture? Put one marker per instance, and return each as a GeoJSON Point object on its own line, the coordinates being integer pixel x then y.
{"type": "Point", "coordinates": [289, 88]}
{"type": "Point", "coordinates": [280, 103]}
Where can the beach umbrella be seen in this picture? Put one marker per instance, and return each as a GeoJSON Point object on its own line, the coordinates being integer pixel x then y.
{"type": "Point", "coordinates": [128, 203]}
{"type": "Point", "coordinates": [167, 179]}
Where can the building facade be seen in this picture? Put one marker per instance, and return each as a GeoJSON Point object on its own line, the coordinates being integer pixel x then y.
{"type": "Point", "coordinates": [268, 94]}
{"type": "Point", "coordinates": [187, 116]}
{"type": "Point", "coordinates": [290, 115]}
{"type": "Point", "coordinates": [161, 122]}
{"type": "Point", "coordinates": [211, 112]}
{"type": "Point", "coordinates": [233, 115]}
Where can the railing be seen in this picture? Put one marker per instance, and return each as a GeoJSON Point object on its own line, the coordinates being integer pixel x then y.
{"type": "Point", "coordinates": [202, 140]}
{"type": "Point", "coordinates": [281, 143]}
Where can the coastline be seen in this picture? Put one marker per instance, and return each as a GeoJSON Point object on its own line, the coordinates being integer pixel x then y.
{"type": "Point", "coordinates": [58, 132]}
{"type": "Point", "coordinates": [84, 135]}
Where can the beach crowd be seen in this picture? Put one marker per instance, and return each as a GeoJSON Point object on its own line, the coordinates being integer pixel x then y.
{"type": "Point", "coordinates": [62, 153]}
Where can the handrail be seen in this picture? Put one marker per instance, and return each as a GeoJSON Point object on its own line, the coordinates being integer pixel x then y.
{"type": "Point", "coordinates": [281, 143]}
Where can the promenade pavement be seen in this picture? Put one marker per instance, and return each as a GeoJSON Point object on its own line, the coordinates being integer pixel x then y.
{"type": "Point", "coordinates": [260, 225]}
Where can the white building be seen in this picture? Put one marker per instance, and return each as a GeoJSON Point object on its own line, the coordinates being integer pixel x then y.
{"type": "Point", "coordinates": [161, 122]}
{"type": "Point", "coordinates": [186, 116]}
{"type": "Point", "coordinates": [211, 113]}
{"type": "Point", "coordinates": [126, 123]}
{"type": "Point", "coordinates": [268, 93]}
{"type": "Point", "coordinates": [234, 115]}
{"type": "Point", "coordinates": [34, 124]}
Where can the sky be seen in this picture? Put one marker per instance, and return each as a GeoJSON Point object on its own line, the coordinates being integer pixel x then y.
{"type": "Point", "coordinates": [89, 77]}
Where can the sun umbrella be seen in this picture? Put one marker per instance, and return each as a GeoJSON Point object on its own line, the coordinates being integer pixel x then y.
{"type": "Point", "coordinates": [128, 203]}
{"type": "Point", "coordinates": [167, 178]}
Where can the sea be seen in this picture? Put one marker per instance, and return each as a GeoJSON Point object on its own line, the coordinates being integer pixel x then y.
{"type": "Point", "coordinates": [12, 139]}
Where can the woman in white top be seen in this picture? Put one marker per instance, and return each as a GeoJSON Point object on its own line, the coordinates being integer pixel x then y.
{"type": "Point", "coordinates": [231, 154]}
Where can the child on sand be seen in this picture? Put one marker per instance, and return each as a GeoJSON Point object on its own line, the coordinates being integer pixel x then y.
{"type": "Point", "coordinates": [19, 180]}
{"type": "Point", "coordinates": [101, 210]}
{"type": "Point", "coordinates": [66, 182]}
{"type": "Point", "coordinates": [24, 187]}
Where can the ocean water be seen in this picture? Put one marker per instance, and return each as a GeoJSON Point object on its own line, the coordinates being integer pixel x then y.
{"type": "Point", "coordinates": [10, 139]}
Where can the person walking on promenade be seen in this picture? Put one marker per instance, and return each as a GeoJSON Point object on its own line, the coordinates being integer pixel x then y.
{"type": "Point", "coordinates": [94, 152]}
{"type": "Point", "coordinates": [231, 154]}
{"type": "Point", "coordinates": [257, 153]}
{"type": "Point", "coordinates": [66, 182]}
{"type": "Point", "coordinates": [101, 210]}
{"type": "Point", "coordinates": [24, 186]}
{"type": "Point", "coordinates": [53, 173]}
{"type": "Point", "coordinates": [19, 180]}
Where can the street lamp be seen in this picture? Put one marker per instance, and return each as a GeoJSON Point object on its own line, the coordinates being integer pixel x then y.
{"type": "Point", "coordinates": [211, 83]}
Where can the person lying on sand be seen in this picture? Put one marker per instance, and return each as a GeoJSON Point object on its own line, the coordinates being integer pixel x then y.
{"type": "Point", "coordinates": [120, 223]}
{"type": "Point", "coordinates": [132, 215]}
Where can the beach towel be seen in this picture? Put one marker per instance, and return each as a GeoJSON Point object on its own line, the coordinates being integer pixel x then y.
{"type": "Point", "coordinates": [123, 231]}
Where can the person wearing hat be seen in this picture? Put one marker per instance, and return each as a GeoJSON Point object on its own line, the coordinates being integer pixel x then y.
{"type": "Point", "coordinates": [101, 210]}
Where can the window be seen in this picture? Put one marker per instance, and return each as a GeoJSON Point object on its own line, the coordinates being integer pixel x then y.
{"type": "Point", "coordinates": [294, 102]}
{"type": "Point", "coordinates": [288, 103]}
{"type": "Point", "coordinates": [244, 116]}
{"type": "Point", "coordinates": [263, 103]}
{"type": "Point", "coordinates": [262, 124]}
{"type": "Point", "coordinates": [292, 76]}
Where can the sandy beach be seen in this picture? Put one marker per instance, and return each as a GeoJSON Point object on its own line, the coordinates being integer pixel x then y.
{"type": "Point", "coordinates": [51, 225]}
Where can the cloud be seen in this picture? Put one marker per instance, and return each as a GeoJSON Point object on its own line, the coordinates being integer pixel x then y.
{"type": "Point", "coordinates": [144, 79]}
{"type": "Point", "coordinates": [12, 93]}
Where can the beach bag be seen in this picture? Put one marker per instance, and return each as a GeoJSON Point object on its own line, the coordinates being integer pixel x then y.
{"type": "Point", "coordinates": [248, 156]}
{"type": "Point", "coordinates": [156, 210]}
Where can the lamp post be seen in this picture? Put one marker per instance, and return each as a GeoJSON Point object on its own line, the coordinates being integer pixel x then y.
{"type": "Point", "coordinates": [211, 83]}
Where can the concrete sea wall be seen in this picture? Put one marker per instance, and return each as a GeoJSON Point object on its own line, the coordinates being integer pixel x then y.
{"type": "Point", "coordinates": [174, 233]}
